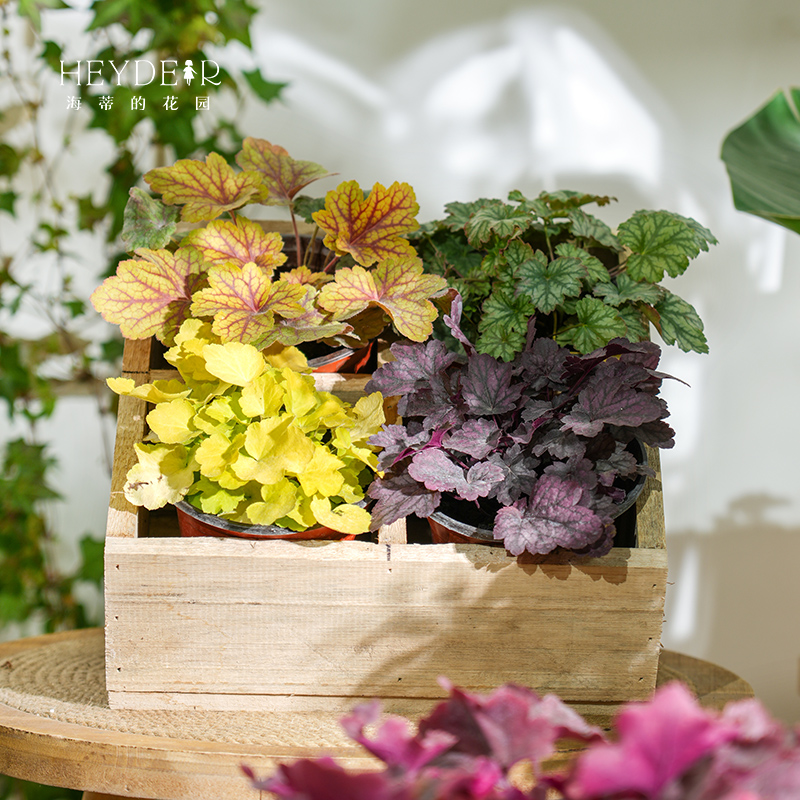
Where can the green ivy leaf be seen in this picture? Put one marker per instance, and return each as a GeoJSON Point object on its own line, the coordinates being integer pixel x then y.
{"type": "Point", "coordinates": [497, 218]}
{"type": "Point", "coordinates": [679, 322]}
{"type": "Point", "coordinates": [10, 160]}
{"type": "Point", "coordinates": [266, 90]}
{"type": "Point", "coordinates": [7, 200]}
{"type": "Point", "coordinates": [546, 285]}
{"type": "Point", "coordinates": [661, 242]}
{"type": "Point", "coordinates": [148, 222]}
{"type": "Point", "coordinates": [597, 325]}
{"type": "Point", "coordinates": [89, 214]}
{"type": "Point", "coordinates": [627, 290]}
{"type": "Point", "coordinates": [585, 226]}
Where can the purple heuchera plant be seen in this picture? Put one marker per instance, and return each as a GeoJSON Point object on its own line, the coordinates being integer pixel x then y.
{"type": "Point", "coordinates": [668, 748]}
{"type": "Point", "coordinates": [544, 437]}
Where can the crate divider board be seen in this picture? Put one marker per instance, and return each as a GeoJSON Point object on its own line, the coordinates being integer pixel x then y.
{"type": "Point", "coordinates": [226, 624]}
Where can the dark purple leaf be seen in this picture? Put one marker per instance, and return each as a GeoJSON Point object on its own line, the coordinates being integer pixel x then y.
{"type": "Point", "coordinates": [413, 365]}
{"type": "Point", "coordinates": [439, 473]}
{"type": "Point", "coordinates": [543, 364]}
{"type": "Point", "coordinates": [476, 437]}
{"type": "Point", "coordinates": [657, 434]}
{"type": "Point", "coordinates": [487, 387]}
{"type": "Point", "coordinates": [453, 321]}
{"type": "Point", "coordinates": [552, 517]}
{"type": "Point", "coordinates": [558, 443]}
{"type": "Point", "coordinates": [520, 474]}
{"type": "Point", "coordinates": [615, 403]}
{"type": "Point", "coordinates": [400, 496]}
{"type": "Point", "coordinates": [395, 440]}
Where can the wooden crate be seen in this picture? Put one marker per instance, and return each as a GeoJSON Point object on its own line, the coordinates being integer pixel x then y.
{"type": "Point", "coordinates": [218, 623]}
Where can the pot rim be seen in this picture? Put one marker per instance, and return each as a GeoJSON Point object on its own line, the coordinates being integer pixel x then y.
{"type": "Point", "coordinates": [465, 529]}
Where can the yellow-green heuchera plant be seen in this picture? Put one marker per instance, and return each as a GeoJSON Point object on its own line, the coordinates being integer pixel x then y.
{"type": "Point", "coordinates": [246, 436]}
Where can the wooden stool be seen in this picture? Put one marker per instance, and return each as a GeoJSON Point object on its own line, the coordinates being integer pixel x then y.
{"type": "Point", "coordinates": [56, 728]}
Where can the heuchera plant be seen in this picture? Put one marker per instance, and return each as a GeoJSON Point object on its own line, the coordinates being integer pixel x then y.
{"type": "Point", "coordinates": [668, 748]}
{"type": "Point", "coordinates": [549, 258]}
{"type": "Point", "coordinates": [230, 271]}
{"type": "Point", "coordinates": [247, 437]}
{"type": "Point", "coordinates": [544, 436]}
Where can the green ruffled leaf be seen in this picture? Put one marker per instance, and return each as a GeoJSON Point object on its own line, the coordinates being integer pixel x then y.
{"type": "Point", "coordinates": [506, 310]}
{"type": "Point", "coordinates": [661, 242]}
{"type": "Point", "coordinates": [680, 323]}
{"type": "Point", "coordinates": [597, 325]}
{"type": "Point", "coordinates": [546, 285]}
{"type": "Point", "coordinates": [148, 222]}
{"type": "Point", "coordinates": [497, 219]}
{"type": "Point", "coordinates": [586, 226]}
{"type": "Point", "coordinates": [501, 341]}
{"type": "Point", "coordinates": [627, 290]}
{"type": "Point", "coordinates": [595, 270]}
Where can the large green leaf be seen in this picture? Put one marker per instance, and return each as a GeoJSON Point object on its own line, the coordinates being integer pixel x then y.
{"type": "Point", "coordinates": [762, 157]}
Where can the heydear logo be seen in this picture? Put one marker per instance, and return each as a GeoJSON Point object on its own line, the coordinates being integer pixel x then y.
{"type": "Point", "coordinates": [141, 72]}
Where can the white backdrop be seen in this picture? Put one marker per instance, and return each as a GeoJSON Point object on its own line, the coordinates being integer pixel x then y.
{"type": "Point", "coordinates": [469, 98]}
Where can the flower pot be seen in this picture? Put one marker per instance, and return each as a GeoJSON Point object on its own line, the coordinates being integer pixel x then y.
{"type": "Point", "coordinates": [345, 360]}
{"type": "Point", "coordinates": [193, 522]}
{"type": "Point", "coordinates": [444, 528]}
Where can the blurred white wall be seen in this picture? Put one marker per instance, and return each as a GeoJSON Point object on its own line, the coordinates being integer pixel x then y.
{"type": "Point", "coordinates": [472, 99]}
{"type": "Point", "coordinates": [469, 98]}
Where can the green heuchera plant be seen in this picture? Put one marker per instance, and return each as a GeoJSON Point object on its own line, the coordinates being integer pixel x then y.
{"type": "Point", "coordinates": [231, 272]}
{"type": "Point", "coordinates": [548, 258]}
{"type": "Point", "coordinates": [245, 436]}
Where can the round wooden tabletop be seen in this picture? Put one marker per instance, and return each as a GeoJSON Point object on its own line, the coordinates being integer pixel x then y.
{"type": "Point", "coordinates": [56, 727]}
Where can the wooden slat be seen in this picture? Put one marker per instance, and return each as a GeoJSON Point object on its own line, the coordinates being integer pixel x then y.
{"type": "Point", "coordinates": [650, 527]}
{"type": "Point", "coordinates": [356, 619]}
{"type": "Point", "coordinates": [136, 355]}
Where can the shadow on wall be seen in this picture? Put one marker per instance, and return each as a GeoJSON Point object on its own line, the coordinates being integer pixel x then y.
{"type": "Point", "coordinates": [744, 609]}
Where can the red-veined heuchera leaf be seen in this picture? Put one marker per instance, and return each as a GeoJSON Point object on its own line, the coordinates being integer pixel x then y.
{"type": "Point", "coordinates": [205, 189]}
{"type": "Point", "coordinates": [398, 286]}
{"type": "Point", "coordinates": [283, 175]}
{"type": "Point", "coordinates": [236, 243]}
{"type": "Point", "coordinates": [244, 302]}
{"type": "Point", "coordinates": [151, 295]}
{"type": "Point", "coordinates": [369, 229]}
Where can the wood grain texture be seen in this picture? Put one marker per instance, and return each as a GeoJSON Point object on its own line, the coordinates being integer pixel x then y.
{"type": "Point", "coordinates": [227, 622]}
{"type": "Point", "coordinates": [103, 761]}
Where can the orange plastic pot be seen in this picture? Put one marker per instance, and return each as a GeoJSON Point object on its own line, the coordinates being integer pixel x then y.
{"type": "Point", "coordinates": [344, 360]}
{"type": "Point", "coordinates": [193, 522]}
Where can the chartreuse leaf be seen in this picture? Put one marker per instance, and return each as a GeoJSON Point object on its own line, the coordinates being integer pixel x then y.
{"type": "Point", "coordinates": [370, 229]}
{"type": "Point", "coordinates": [300, 395]}
{"type": "Point", "coordinates": [345, 518]}
{"type": "Point", "coordinates": [156, 392]}
{"type": "Point", "coordinates": [369, 417]}
{"type": "Point", "coordinates": [679, 322]}
{"type": "Point", "coordinates": [147, 222]}
{"type": "Point", "coordinates": [262, 397]}
{"type": "Point", "coordinates": [660, 242]}
{"type": "Point", "coordinates": [244, 302]}
{"type": "Point", "coordinates": [216, 453]}
{"type": "Point", "coordinates": [762, 157]}
{"type": "Point", "coordinates": [322, 474]}
{"type": "Point", "coordinates": [597, 324]}
{"type": "Point", "coordinates": [187, 353]}
{"type": "Point", "coordinates": [151, 295]}
{"type": "Point", "coordinates": [205, 189]}
{"type": "Point", "coordinates": [546, 284]}
{"type": "Point", "coordinates": [234, 244]}
{"type": "Point", "coordinates": [210, 497]}
{"type": "Point", "coordinates": [171, 421]}
{"type": "Point", "coordinates": [278, 500]}
{"type": "Point", "coordinates": [398, 286]}
{"type": "Point", "coordinates": [234, 362]}
{"type": "Point", "coordinates": [283, 175]}
{"type": "Point", "coordinates": [163, 475]}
